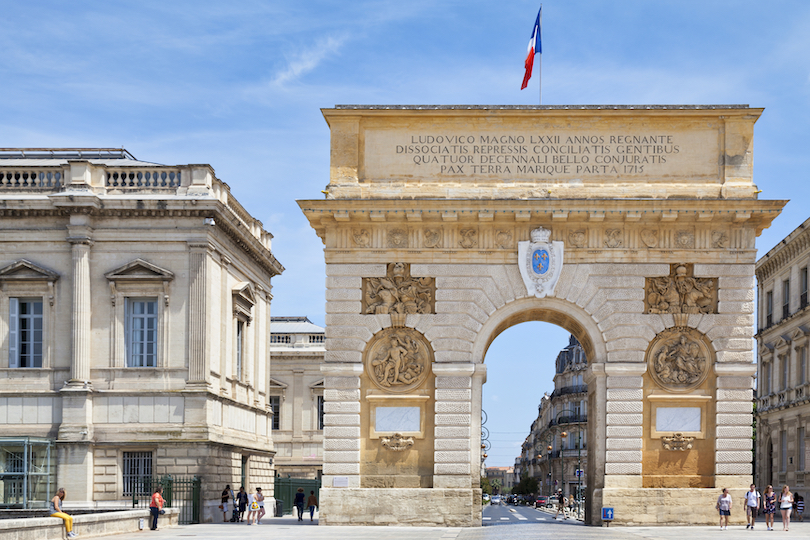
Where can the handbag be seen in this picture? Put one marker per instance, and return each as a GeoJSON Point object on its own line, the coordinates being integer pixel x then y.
{"type": "Point", "coordinates": [254, 505]}
{"type": "Point", "coordinates": [220, 507]}
{"type": "Point", "coordinates": [162, 511]}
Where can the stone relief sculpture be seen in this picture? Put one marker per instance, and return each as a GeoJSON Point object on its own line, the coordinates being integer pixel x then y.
{"type": "Point", "coordinates": [398, 359]}
{"type": "Point", "coordinates": [719, 239]}
{"type": "Point", "coordinates": [539, 193]}
{"type": "Point", "coordinates": [613, 238]}
{"type": "Point", "coordinates": [433, 238]}
{"type": "Point", "coordinates": [681, 293]}
{"type": "Point", "coordinates": [649, 237]}
{"type": "Point", "coordinates": [503, 239]}
{"type": "Point", "coordinates": [678, 359]}
{"type": "Point", "coordinates": [397, 442]}
{"type": "Point", "coordinates": [677, 442]}
{"type": "Point", "coordinates": [398, 292]}
{"type": "Point", "coordinates": [685, 239]}
{"type": "Point", "coordinates": [468, 238]}
{"type": "Point", "coordinates": [361, 237]}
{"type": "Point", "coordinates": [398, 238]}
{"type": "Point", "coordinates": [577, 238]}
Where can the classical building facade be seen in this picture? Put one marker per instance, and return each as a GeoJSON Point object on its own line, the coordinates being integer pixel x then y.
{"type": "Point", "coordinates": [783, 385]}
{"type": "Point", "coordinates": [296, 393]}
{"type": "Point", "coordinates": [135, 320]}
{"type": "Point", "coordinates": [502, 479]}
{"type": "Point", "coordinates": [632, 227]}
{"type": "Point", "coordinates": [555, 451]}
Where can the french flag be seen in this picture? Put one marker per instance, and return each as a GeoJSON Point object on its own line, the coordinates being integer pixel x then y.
{"type": "Point", "coordinates": [535, 47]}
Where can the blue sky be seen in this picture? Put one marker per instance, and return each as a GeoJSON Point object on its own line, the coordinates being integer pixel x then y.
{"type": "Point", "coordinates": [239, 85]}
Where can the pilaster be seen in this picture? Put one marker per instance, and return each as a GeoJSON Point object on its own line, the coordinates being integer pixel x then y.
{"type": "Point", "coordinates": [453, 433]}
{"type": "Point", "coordinates": [198, 362]}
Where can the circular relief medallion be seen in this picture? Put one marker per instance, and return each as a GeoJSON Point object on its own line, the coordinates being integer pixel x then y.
{"type": "Point", "coordinates": [678, 359]}
{"type": "Point", "coordinates": [398, 359]}
{"type": "Point", "coordinates": [540, 261]}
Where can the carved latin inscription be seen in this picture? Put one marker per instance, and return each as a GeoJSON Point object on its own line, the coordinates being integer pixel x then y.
{"type": "Point", "coordinates": [680, 292]}
{"type": "Point", "coordinates": [399, 293]}
{"type": "Point", "coordinates": [398, 359]}
{"type": "Point", "coordinates": [678, 359]}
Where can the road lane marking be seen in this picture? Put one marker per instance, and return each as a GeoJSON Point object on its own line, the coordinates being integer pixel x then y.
{"type": "Point", "coordinates": [505, 519]}
{"type": "Point", "coordinates": [521, 518]}
{"type": "Point", "coordinates": [488, 518]}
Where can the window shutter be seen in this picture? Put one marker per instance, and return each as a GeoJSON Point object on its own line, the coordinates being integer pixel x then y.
{"type": "Point", "coordinates": [14, 333]}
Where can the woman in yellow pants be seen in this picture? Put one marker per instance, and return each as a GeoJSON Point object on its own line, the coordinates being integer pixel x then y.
{"type": "Point", "coordinates": [56, 511]}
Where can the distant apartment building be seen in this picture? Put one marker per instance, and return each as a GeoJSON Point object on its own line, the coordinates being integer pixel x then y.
{"type": "Point", "coordinates": [134, 328]}
{"type": "Point", "coordinates": [783, 386]}
{"type": "Point", "coordinates": [555, 452]}
{"type": "Point", "coordinates": [296, 394]}
{"type": "Point", "coordinates": [502, 477]}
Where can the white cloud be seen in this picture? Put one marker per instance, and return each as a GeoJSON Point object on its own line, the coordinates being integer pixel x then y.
{"type": "Point", "coordinates": [308, 59]}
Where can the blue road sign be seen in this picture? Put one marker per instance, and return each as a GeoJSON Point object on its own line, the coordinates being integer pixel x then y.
{"type": "Point", "coordinates": [607, 514]}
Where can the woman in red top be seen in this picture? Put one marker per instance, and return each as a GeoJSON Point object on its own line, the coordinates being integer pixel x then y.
{"type": "Point", "coordinates": [156, 506]}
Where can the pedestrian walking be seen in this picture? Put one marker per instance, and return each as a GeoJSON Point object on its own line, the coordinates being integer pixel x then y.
{"type": "Point", "coordinates": [260, 500]}
{"type": "Point", "coordinates": [312, 502]}
{"type": "Point", "coordinates": [253, 508]}
{"type": "Point", "coordinates": [786, 506]}
{"type": "Point", "coordinates": [299, 503]}
{"type": "Point", "coordinates": [561, 500]}
{"type": "Point", "coordinates": [56, 511]}
{"type": "Point", "coordinates": [799, 507]}
{"type": "Point", "coordinates": [724, 507]}
{"type": "Point", "coordinates": [156, 507]}
{"type": "Point", "coordinates": [769, 506]}
{"type": "Point", "coordinates": [223, 505]}
{"type": "Point", "coordinates": [242, 501]}
{"type": "Point", "coordinates": [753, 500]}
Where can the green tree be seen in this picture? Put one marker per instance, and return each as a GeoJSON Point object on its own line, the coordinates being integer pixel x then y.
{"type": "Point", "coordinates": [496, 486]}
{"type": "Point", "coordinates": [526, 486]}
{"type": "Point", "coordinates": [486, 487]}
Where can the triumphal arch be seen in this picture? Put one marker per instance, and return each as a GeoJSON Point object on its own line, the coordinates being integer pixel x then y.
{"type": "Point", "coordinates": [631, 227]}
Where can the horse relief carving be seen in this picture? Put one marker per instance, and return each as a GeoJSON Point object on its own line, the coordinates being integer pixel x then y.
{"type": "Point", "coordinates": [680, 292]}
{"type": "Point", "coordinates": [398, 292]}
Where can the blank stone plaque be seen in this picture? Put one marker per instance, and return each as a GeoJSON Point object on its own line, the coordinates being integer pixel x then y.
{"type": "Point", "coordinates": [677, 419]}
{"type": "Point", "coordinates": [397, 419]}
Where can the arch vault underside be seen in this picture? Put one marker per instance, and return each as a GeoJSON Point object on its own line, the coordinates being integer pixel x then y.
{"type": "Point", "coordinates": [652, 269]}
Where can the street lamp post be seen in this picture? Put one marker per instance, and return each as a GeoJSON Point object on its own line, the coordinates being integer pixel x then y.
{"type": "Point", "coordinates": [563, 436]}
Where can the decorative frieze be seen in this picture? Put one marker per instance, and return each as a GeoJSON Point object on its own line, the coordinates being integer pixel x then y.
{"type": "Point", "coordinates": [680, 292]}
{"type": "Point", "coordinates": [432, 238]}
{"type": "Point", "coordinates": [397, 442]}
{"type": "Point", "coordinates": [677, 442]}
{"type": "Point", "coordinates": [399, 293]}
{"type": "Point", "coordinates": [613, 238]}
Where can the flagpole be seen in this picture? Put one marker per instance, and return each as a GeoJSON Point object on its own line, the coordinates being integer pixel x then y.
{"type": "Point", "coordinates": [540, 60]}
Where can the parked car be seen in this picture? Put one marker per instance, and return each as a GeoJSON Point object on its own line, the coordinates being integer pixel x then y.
{"type": "Point", "coordinates": [543, 502]}
{"type": "Point", "coordinates": [496, 499]}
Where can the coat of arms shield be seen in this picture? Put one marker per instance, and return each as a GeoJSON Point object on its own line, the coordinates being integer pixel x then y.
{"type": "Point", "coordinates": [540, 262]}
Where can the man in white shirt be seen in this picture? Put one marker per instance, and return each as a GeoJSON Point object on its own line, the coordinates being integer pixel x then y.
{"type": "Point", "coordinates": [752, 502]}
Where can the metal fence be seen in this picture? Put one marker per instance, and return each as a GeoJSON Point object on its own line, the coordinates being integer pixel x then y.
{"type": "Point", "coordinates": [182, 492]}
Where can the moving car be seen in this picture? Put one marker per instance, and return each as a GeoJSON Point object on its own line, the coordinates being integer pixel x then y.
{"type": "Point", "coordinates": [496, 499]}
{"type": "Point", "coordinates": [543, 502]}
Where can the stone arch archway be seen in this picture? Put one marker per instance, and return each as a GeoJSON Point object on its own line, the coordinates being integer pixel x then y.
{"type": "Point", "coordinates": [651, 247]}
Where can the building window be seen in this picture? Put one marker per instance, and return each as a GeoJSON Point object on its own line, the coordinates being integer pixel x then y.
{"type": "Point", "coordinates": [240, 337]}
{"type": "Point", "coordinates": [25, 333]}
{"type": "Point", "coordinates": [802, 432]}
{"type": "Point", "coordinates": [786, 299]}
{"type": "Point", "coordinates": [770, 377]}
{"type": "Point", "coordinates": [275, 403]}
{"type": "Point", "coordinates": [785, 360]}
{"type": "Point", "coordinates": [275, 338]}
{"type": "Point", "coordinates": [783, 451]}
{"type": "Point", "coordinates": [320, 412]}
{"type": "Point", "coordinates": [141, 328]}
{"type": "Point", "coordinates": [137, 474]}
{"type": "Point", "coordinates": [803, 365]}
{"type": "Point", "coordinates": [316, 339]}
{"type": "Point", "coordinates": [803, 288]}
{"type": "Point", "coordinates": [768, 309]}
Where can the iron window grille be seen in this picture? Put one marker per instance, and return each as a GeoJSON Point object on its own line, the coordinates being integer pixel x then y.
{"type": "Point", "coordinates": [137, 474]}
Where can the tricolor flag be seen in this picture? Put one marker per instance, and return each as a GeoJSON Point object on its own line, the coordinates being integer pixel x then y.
{"type": "Point", "coordinates": [535, 47]}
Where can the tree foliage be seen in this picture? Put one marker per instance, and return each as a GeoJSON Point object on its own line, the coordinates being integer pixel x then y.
{"type": "Point", "coordinates": [486, 487]}
{"type": "Point", "coordinates": [526, 486]}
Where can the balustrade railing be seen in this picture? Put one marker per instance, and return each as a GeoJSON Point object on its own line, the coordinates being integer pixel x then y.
{"type": "Point", "coordinates": [130, 178]}
{"type": "Point", "coordinates": [31, 178]}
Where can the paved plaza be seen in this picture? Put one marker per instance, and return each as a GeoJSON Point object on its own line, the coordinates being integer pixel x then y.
{"type": "Point", "coordinates": [522, 523]}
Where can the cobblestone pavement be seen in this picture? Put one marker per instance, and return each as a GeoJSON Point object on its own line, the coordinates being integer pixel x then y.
{"type": "Point", "coordinates": [290, 529]}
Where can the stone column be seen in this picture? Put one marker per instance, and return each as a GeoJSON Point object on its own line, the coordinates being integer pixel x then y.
{"type": "Point", "coordinates": [735, 383]}
{"type": "Point", "coordinates": [452, 436]}
{"type": "Point", "coordinates": [341, 430]}
{"type": "Point", "coordinates": [198, 367]}
{"type": "Point", "coordinates": [624, 420]}
{"type": "Point", "coordinates": [81, 241]}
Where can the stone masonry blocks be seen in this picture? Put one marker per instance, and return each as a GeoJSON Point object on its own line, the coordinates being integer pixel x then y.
{"type": "Point", "coordinates": [443, 382]}
{"type": "Point", "coordinates": [623, 468]}
{"type": "Point", "coordinates": [734, 432]}
{"type": "Point", "coordinates": [733, 419]}
{"type": "Point", "coordinates": [341, 468]}
{"type": "Point", "coordinates": [623, 456]}
{"type": "Point", "coordinates": [733, 456]}
{"type": "Point", "coordinates": [615, 394]}
{"type": "Point", "coordinates": [625, 407]}
{"type": "Point", "coordinates": [452, 419]}
{"type": "Point", "coordinates": [361, 270]}
{"type": "Point", "coordinates": [333, 456]}
{"type": "Point", "coordinates": [737, 469]}
{"type": "Point", "coordinates": [747, 282]}
{"type": "Point", "coordinates": [451, 468]}
{"type": "Point", "coordinates": [741, 383]}
{"type": "Point", "coordinates": [451, 457]}
{"type": "Point", "coordinates": [341, 432]}
{"type": "Point", "coordinates": [342, 307]}
{"type": "Point", "coordinates": [341, 419]}
{"type": "Point", "coordinates": [451, 444]}
{"type": "Point", "coordinates": [452, 356]}
{"type": "Point", "coordinates": [735, 357]}
{"type": "Point", "coordinates": [470, 308]}
{"type": "Point", "coordinates": [624, 419]}
{"type": "Point", "coordinates": [443, 394]}
{"type": "Point", "coordinates": [356, 332]}
{"type": "Point", "coordinates": [735, 407]}
{"type": "Point", "coordinates": [341, 444]}
{"type": "Point", "coordinates": [332, 394]}
{"type": "Point", "coordinates": [345, 344]}
{"type": "Point", "coordinates": [453, 407]}
{"type": "Point", "coordinates": [341, 383]}
{"type": "Point", "coordinates": [344, 294]}
{"type": "Point", "coordinates": [451, 432]}
{"type": "Point", "coordinates": [734, 444]}
{"type": "Point", "coordinates": [735, 395]}
{"type": "Point", "coordinates": [343, 357]}
{"type": "Point", "coordinates": [736, 295]}
{"type": "Point", "coordinates": [626, 356]}
{"type": "Point", "coordinates": [624, 431]}
{"type": "Point", "coordinates": [624, 382]}
{"type": "Point", "coordinates": [344, 282]}
{"type": "Point", "coordinates": [623, 444]}
{"type": "Point", "coordinates": [722, 270]}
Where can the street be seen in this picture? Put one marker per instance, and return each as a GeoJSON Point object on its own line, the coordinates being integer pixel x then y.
{"type": "Point", "coordinates": [512, 515]}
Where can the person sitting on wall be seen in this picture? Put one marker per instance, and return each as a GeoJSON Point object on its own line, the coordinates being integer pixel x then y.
{"type": "Point", "coordinates": [56, 511]}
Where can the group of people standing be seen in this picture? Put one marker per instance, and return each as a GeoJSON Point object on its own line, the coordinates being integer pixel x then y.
{"type": "Point", "coordinates": [252, 503]}
{"type": "Point", "coordinates": [754, 501]}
